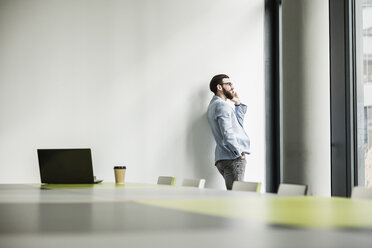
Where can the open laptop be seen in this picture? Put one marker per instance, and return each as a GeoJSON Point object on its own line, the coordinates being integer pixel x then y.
{"type": "Point", "coordinates": [66, 166]}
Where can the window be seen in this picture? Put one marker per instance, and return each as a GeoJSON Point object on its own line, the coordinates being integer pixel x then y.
{"type": "Point", "coordinates": [363, 51]}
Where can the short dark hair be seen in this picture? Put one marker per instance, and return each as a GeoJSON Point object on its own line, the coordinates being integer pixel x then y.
{"type": "Point", "coordinates": [216, 80]}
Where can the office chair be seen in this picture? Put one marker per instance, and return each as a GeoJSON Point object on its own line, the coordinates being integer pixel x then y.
{"type": "Point", "coordinates": [166, 180]}
{"type": "Point", "coordinates": [246, 186]}
{"type": "Point", "coordinates": [198, 183]}
{"type": "Point", "coordinates": [292, 189]}
{"type": "Point", "coordinates": [361, 193]}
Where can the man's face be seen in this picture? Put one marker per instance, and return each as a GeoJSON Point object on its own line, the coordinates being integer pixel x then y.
{"type": "Point", "coordinates": [227, 88]}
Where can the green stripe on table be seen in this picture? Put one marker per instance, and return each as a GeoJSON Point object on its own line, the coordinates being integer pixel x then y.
{"type": "Point", "coordinates": [311, 212]}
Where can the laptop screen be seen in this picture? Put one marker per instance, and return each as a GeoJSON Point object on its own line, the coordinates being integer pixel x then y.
{"type": "Point", "coordinates": [67, 166]}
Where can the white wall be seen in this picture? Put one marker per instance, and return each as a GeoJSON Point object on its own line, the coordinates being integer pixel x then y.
{"type": "Point", "coordinates": [129, 79]}
{"type": "Point", "coordinates": [306, 95]}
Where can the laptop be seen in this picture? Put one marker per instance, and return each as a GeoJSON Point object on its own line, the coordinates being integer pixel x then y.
{"type": "Point", "coordinates": [66, 166]}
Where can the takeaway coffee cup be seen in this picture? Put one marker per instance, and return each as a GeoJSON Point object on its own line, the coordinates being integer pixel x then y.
{"type": "Point", "coordinates": [120, 174]}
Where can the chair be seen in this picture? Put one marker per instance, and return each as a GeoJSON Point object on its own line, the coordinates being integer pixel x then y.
{"type": "Point", "coordinates": [166, 180]}
{"type": "Point", "coordinates": [361, 193]}
{"type": "Point", "coordinates": [292, 189]}
{"type": "Point", "coordinates": [198, 183]}
{"type": "Point", "coordinates": [246, 186]}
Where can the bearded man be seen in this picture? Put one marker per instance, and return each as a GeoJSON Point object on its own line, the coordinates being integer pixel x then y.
{"type": "Point", "coordinates": [226, 122]}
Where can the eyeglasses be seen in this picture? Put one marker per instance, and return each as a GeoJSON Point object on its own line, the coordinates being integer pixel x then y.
{"type": "Point", "coordinates": [229, 84]}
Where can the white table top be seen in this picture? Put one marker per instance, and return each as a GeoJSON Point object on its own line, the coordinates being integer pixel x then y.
{"type": "Point", "coordinates": [140, 215]}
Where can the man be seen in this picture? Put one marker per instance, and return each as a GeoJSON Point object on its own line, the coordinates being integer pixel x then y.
{"type": "Point", "coordinates": [227, 127]}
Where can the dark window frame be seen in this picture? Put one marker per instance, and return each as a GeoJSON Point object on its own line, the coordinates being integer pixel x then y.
{"type": "Point", "coordinates": [343, 97]}
{"type": "Point", "coordinates": [272, 94]}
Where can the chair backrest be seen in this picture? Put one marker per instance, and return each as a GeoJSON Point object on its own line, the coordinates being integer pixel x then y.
{"type": "Point", "coordinates": [246, 186]}
{"type": "Point", "coordinates": [166, 180]}
{"type": "Point", "coordinates": [361, 193]}
{"type": "Point", "coordinates": [292, 189]}
{"type": "Point", "coordinates": [198, 183]}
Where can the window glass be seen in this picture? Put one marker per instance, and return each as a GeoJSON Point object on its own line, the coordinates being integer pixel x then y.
{"type": "Point", "coordinates": [363, 24]}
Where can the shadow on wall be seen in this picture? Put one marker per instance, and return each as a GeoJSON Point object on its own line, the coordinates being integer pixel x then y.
{"type": "Point", "coordinates": [200, 143]}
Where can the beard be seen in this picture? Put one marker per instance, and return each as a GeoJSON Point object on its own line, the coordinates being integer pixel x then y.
{"type": "Point", "coordinates": [228, 94]}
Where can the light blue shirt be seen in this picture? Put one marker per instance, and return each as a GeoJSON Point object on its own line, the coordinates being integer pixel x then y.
{"type": "Point", "coordinates": [227, 128]}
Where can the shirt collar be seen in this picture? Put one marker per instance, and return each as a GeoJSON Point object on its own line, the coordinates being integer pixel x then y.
{"type": "Point", "coordinates": [217, 98]}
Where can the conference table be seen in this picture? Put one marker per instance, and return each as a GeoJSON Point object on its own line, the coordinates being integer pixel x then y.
{"type": "Point", "coordinates": [145, 215]}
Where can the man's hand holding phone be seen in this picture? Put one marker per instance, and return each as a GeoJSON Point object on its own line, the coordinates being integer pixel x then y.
{"type": "Point", "coordinates": [236, 98]}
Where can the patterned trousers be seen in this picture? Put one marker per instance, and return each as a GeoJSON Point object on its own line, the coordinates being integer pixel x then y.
{"type": "Point", "coordinates": [231, 170]}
